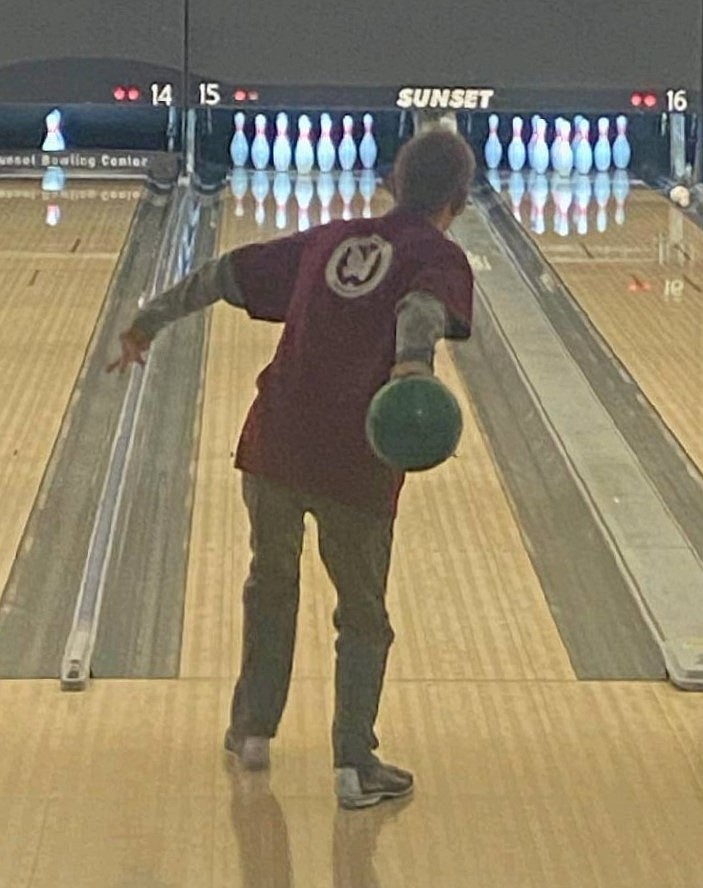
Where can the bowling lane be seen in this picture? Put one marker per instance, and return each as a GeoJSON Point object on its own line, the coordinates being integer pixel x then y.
{"type": "Point", "coordinates": [535, 764]}
{"type": "Point", "coordinates": [58, 253]}
{"type": "Point", "coordinates": [459, 555]}
{"type": "Point", "coordinates": [634, 264]}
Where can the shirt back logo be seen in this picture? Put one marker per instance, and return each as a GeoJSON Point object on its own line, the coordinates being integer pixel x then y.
{"type": "Point", "coordinates": [358, 266]}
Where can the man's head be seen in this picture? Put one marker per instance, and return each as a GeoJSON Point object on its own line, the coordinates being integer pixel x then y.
{"type": "Point", "coordinates": [432, 174]}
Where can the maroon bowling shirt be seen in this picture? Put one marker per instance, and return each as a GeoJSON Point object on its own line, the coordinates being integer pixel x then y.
{"type": "Point", "coordinates": [337, 288]}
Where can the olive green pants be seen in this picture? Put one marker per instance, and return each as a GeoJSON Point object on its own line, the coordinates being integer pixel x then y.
{"type": "Point", "coordinates": [355, 548]}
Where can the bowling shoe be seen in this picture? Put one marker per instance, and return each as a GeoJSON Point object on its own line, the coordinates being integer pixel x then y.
{"type": "Point", "coordinates": [367, 785]}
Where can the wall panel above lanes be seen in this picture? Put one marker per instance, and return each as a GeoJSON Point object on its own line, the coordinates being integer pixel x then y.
{"type": "Point", "coordinates": [545, 47]}
{"type": "Point", "coordinates": [78, 50]}
{"type": "Point", "coordinates": [549, 51]}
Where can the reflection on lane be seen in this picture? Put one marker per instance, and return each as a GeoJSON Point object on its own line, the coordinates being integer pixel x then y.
{"type": "Point", "coordinates": [566, 205]}
{"type": "Point", "coordinates": [622, 222]}
{"type": "Point", "coordinates": [297, 194]}
{"type": "Point", "coordinates": [638, 276]}
{"type": "Point", "coordinates": [48, 214]}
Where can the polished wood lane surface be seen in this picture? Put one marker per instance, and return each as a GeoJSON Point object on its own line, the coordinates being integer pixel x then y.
{"type": "Point", "coordinates": [53, 280]}
{"type": "Point", "coordinates": [641, 285]}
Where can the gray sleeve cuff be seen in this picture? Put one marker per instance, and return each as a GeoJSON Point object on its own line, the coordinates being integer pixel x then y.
{"type": "Point", "coordinates": [420, 324]}
{"type": "Point", "coordinates": [214, 280]}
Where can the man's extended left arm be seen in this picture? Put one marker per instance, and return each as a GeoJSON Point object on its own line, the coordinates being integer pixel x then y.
{"type": "Point", "coordinates": [215, 280]}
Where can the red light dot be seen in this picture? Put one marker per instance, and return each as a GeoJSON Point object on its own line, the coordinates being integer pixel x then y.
{"type": "Point", "coordinates": [133, 94]}
{"type": "Point", "coordinates": [119, 93]}
{"type": "Point", "coordinates": [240, 95]}
{"type": "Point", "coordinates": [636, 100]}
{"type": "Point", "coordinates": [650, 100]}
{"type": "Point", "coordinates": [253, 96]}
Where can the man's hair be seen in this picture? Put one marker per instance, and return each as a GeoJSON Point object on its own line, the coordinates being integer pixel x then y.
{"type": "Point", "coordinates": [431, 171]}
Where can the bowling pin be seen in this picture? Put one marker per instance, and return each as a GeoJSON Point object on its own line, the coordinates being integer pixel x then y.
{"type": "Point", "coordinates": [367, 189]}
{"type": "Point", "coordinates": [516, 190]}
{"type": "Point", "coordinates": [281, 144]}
{"type": "Point", "coordinates": [239, 185]}
{"type": "Point", "coordinates": [516, 149]}
{"type": "Point", "coordinates": [368, 150]}
{"type": "Point", "coordinates": [260, 190]}
{"type": "Point", "coordinates": [325, 147]}
{"type": "Point", "coordinates": [533, 138]}
{"type": "Point", "coordinates": [583, 153]}
{"type": "Point", "coordinates": [239, 147]}
{"type": "Point", "coordinates": [621, 147]}
{"type": "Point", "coordinates": [347, 147]}
{"type": "Point", "coordinates": [556, 144]}
{"type": "Point", "coordinates": [325, 194]}
{"type": "Point", "coordinates": [566, 138]}
{"type": "Point", "coordinates": [281, 194]}
{"type": "Point", "coordinates": [577, 134]}
{"type": "Point", "coordinates": [602, 153]}
{"type": "Point", "coordinates": [304, 192]}
{"type": "Point", "coordinates": [621, 189]}
{"type": "Point", "coordinates": [54, 140]}
{"type": "Point", "coordinates": [601, 192]}
{"type": "Point", "coordinates": [540, 151]}
{"type": "Point", "coordinates": [260, 149]}
{"type": "Point", "coordinates": [563, 158]}
{"type": "Point", "coordinates": [493, 150]}
{"type": "Point", "coordinates": [347, 190]}
{"type": "Point", "coordinates": [304, 154]}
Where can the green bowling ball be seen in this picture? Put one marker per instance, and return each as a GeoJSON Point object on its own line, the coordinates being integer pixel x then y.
{"type": "Point", "coordinates": [413, 423]}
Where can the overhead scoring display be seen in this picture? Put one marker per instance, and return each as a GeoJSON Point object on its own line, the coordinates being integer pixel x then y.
{"type": "Point", "coordinates": [467, 98]}
{"type": "Point", "coordinates": [213, 94]}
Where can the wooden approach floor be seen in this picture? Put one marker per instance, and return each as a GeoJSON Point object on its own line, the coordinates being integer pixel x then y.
{"type": "Point", "coordinates": [526, 777]}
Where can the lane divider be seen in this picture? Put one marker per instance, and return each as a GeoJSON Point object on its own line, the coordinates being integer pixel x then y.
{"type": "Point", "coordinates": [173, 263]}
